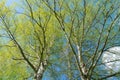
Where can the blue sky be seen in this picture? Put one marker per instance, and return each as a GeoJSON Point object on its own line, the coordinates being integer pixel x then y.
{"type": "Point", "coordinates": [15, 2]}
{"type": "Point", "coordinates": [9, 2]}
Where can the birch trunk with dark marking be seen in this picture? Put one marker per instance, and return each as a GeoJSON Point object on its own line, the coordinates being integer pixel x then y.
{"type": "Point", "coordinates": [40, 72]}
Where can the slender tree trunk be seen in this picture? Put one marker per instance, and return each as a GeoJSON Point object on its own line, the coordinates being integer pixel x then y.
{"type": "Point", "coordinates": [84, 78]}
{"type": "Point", "coordinates": [40, 72]}
{"type": "Point", "coordinates": [82, 65]}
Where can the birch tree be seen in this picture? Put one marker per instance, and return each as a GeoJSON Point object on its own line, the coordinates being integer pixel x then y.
{"type": "Point", "coordinates": [91, 26]}
{"type": "Point", "coordinates": [30, 34]}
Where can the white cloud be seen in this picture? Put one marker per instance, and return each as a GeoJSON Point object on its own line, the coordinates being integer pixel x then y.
{"type": "Point", "coordinates": [111, 58]}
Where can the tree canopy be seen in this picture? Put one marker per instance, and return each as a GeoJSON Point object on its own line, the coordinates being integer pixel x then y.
{"type": "Point", "coordinates": [58, 39]}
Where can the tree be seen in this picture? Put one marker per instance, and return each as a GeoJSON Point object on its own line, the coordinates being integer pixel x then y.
{"type": "Point", "coordinates": [62, 37]}
{"type": "Point", "coordinates": [32, 38]}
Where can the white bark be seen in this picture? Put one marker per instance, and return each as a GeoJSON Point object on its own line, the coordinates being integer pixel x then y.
{"type": "Point", "coordinates": [40, 72]}
{"type": "Point", "coordinates": [79, 55]}
{"type": "Point", "coordinates": [82, 65]}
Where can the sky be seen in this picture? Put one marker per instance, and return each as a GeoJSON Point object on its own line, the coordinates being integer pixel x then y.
{"type": "Point", "coordinates": [9, 2]}
{"type": "Point", "coordinates": [15, 2]}
{"type": "Point", "coordinates": [110, 55]}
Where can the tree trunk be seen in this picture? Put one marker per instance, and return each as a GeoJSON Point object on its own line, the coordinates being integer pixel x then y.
{"type": "Point", "coordinates": [40, 72]}
{"type": "Point", "coordinates": [84, 78]}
